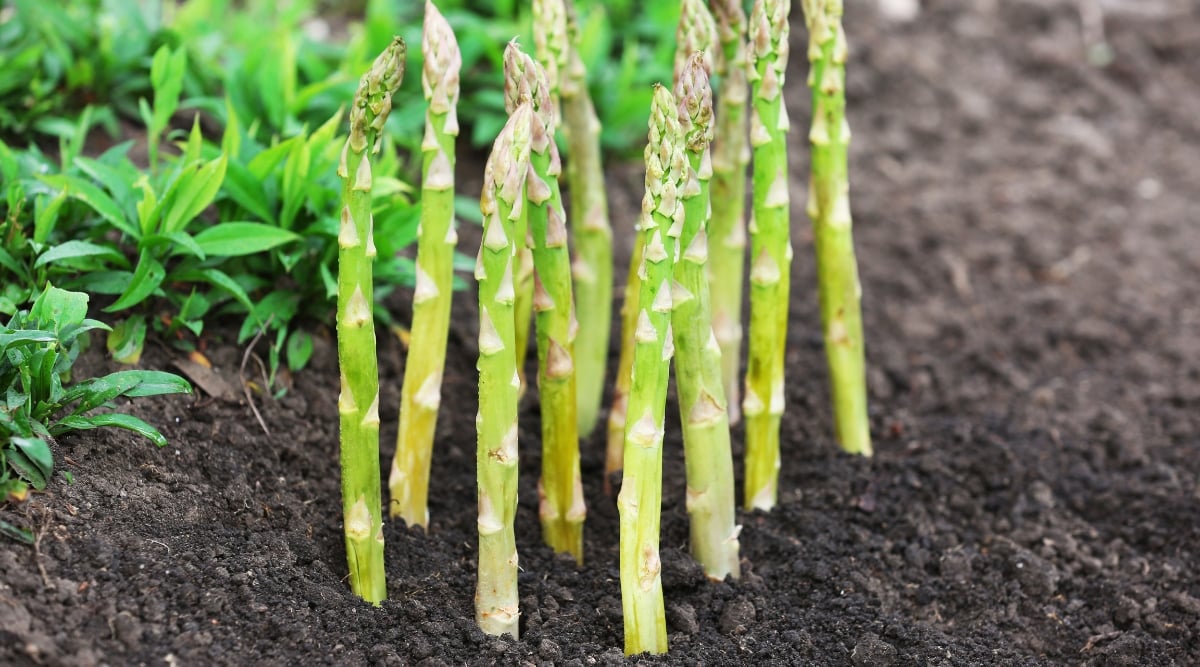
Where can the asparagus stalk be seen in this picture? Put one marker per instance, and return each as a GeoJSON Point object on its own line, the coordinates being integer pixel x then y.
{"type": "Point", "coordinates": [640, 501]}
{"type": "Point", "coordinates": [708, 454]}
{"type": "Point", "coordinates": [358, 404]}
{"type": "Point", "coordinates": [614, 455]}
{"type": "Point", "coordinates": [592, 233]}
{"type": "Point", "coordinates": [523, 311]}
{"type": "Point", "coordinates": [420, 396]}
{"type": "Point", "coordinates": [771, 250]}
{"type": "Point", "coordinates": [731, 153]}
{"type": "Point", "coordinates": [829, 210]}
{"type": "Point", "coordinates": [503, 205]}
{"type": "Point", "coordinates": [562, 509]}
{"type": "Point", "coordinates": [696, 32]}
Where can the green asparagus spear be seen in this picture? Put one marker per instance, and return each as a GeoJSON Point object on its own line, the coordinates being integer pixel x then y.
{"type": "Point", "coordinates": [640, 500]}
{"type": "Point", "coordinates": [503, 205]}
{"type": "Point", "coordinates": [593, 265]}
{"type": "Point", "coordinates": [562, 510]}
{"type": "Point", "coordinates": [771, 252]}
{"type": "Point", "coordinates": [614, 455]}
{"type": "Point", "coordinates": [518, 86]}
{"type": "Point", "coordinates": [710, 498]}
{"type": "Point", "coordinates": [829, 210]}
{"type": "Point", "coordinates": [696, 32]}
{"type": "Point", "coordinates": [731, 154]}
{"type": "Point", "coordinates": [358, 404]}
{"type": "Point", "coordinates": [420, 396]}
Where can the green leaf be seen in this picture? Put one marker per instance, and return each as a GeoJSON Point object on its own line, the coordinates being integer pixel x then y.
{"type": "Point", "coordinates": [95, 198]}
{"type": "Point", "coordinates": [148, 275]}
{"type": "Point", "coordinates": [299, 349]}
{"type": "Point", "coordinates": [10, 337]}
{"type": "Point", "coordinates": [55, 309]}
{"type": "Point", "coordinates": [17, 533]}
{"type": "Point", "coordinates": [232, 239]}
{"type": "Point", "coordinates": [77, 250]}
{"type": "Point", "coordinates": [32, 460]}
{"type": "Point", "coordinates": [195, 192]}
{"type": "Point", "coordinates": [222, 280]}
{"type": "Point", "coordinates": [295, 183]}
{"type": "Point", "coordinates": [46, 215]}
{"type": "Point", "coordinates": [126, 339]}
{"type": "Point", "coordinates": [116, 419]}
{"type": "Point", "coordinates": [246, 189]}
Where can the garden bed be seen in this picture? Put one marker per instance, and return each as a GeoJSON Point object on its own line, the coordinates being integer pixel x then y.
{"type": "Point", "coordinates": [1026, 226]}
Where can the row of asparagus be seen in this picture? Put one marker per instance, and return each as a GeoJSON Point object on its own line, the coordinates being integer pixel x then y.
{"type": "Point", "coordinates": [682, 297]}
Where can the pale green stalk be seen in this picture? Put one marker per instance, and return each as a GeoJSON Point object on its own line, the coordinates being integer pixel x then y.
{"type": "Point", "coordinates": [640, 500]}
{"type": "Point", "coordinates": [591, 231]}
{"type": "Point", "coordinates": [562, 509]}
{"type": "Point", "coordinates": [502, 204]}
{"type": "Point", "coordinates": [771, 252]}
{"type": "Point", "coordinates": [696, 32]}
{"type": "Point", "coordinates": [358, 403]}
{"type": "Point", "coordinates": [829, 210]}
{"type": "Point", "coordinates": [614, 454]}
{"type": "Point", "coordinates": [711, 504]}
{"type": "Point", "coordinates": [727, 231]}
{"type": "Point", "coordinates": [518, 86]}
{"type": "Point", "coordinates": [421, 394]}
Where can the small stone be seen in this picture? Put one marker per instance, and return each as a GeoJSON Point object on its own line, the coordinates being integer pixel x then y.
{"type": "Point", "coordinates": [128, 629]}
{"type": "Point", "coordinates": [871, 651]}
{"type": "Point", "coordinates": [737, 616]}
{"type": "Point", "coordinates": [681, 617]}
{"type": "Point", "coordinates": [549, 650]}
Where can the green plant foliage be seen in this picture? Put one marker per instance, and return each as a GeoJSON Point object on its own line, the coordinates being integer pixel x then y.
{"type": "Point", "coordinates": [38, 347]}
{"type": "Point", "coordinates": [60, 57]}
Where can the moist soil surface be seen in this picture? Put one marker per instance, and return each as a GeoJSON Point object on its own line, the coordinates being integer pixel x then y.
{"type": "Point", "coordinates": [1030, 267]}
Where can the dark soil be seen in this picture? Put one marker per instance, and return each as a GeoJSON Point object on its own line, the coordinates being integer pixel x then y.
{"type": "Point", "coordinates": [1031, 266]}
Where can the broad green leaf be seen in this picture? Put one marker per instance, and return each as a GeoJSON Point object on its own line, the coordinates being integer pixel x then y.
{"type": "Point", "coordinates": [263, 164]}
{"type": "Point", "coordinates": [94, 198]}
{"type": "Point", "coordinates": [110, 177]}
{"type": "Point", "coordinates": [147, 277]}
{"type": "Point", "coordinates": [244, 188]}
{"type": "Point", "coordinates": [10, 531]}
{"type": "Point", "coordinates": [126, 339]}
{"type": "Point", "coordinates": [116, 419]}
{"type": "Point", "coordinates": [181, 243]}
{"type": "Point", "coordinates": [295, 183]}
{"type": "Point", "coordinates": [299, 349]}
{"type": "Point", "coordinates": [232, 239]}
{"type": "Point", "coordinates": [10, 338]}
{"type": "Point", "coordinates": [195, 194]}
{"type": "Point", "coordinates": [32, 459]}
{"type": "Point", "coordinates": [46, 215]}
{"type": "Point", "coordinates": [80, 249]}
{"type": "Point", "coordinates": [222, 280]}
{"type": "Point", "coordinates": [55, 309]}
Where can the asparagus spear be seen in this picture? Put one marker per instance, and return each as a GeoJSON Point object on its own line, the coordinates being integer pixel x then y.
{"type": "Point", "coordinates": [358, 404]}
{"type": "Point", "coordinates": [696, 32]}
{"type": "Point", "coordinates": [562, 509]}
{"type": "Point", "coordinates": [709, 457]}
{"type": "Point", "coordinates": [518, 86]}
{"type": "Point", "coordinates": [420, 396]}
{"type": "Point", "coordinates": [771, 250]}
{"type": "Point", "coordinates": [640, 500]}
{"type": "Point", "coordinates": [614, 454]}
{"type": "Point", "coordinates": [829, 210]}
{"type": "Point", "coordinates": [503, 205]}
{"type": "Point", "coordinates": [593, 265]}
{"type": "Point", "coordinates": [731, 153]}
